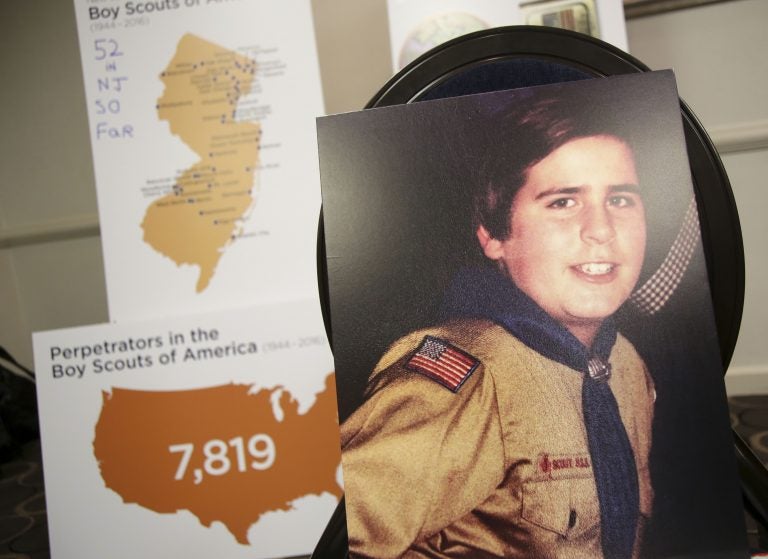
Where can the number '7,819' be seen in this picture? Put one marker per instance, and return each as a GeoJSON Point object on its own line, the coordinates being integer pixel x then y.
{"type": "Point", "coordinates": [260, 448]}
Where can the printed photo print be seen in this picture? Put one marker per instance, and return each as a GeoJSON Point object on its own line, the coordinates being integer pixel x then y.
{"type": "Point", "coordinates": [526, 356]}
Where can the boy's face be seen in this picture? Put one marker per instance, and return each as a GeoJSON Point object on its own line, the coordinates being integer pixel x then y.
{"type": "Point", "coordinates": [577, 237]}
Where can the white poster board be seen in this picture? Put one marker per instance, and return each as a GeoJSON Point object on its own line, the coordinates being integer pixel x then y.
{"type": "Point", "coordinates": [416, 26]}
{"type": "Point", "coordinates": [202, 127]}
{"type": "Point", "coordinates": [214, 435]}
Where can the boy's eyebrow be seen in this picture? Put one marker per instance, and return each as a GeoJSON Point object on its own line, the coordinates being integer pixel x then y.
{"type": "Point", "coordinates": [626, 188]}
{"type": "Point", "coordinates": [576, 189]}
{"type": "Point", "coordinates": [560, 190]}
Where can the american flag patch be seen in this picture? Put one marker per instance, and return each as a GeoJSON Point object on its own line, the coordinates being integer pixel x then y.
{"type": "Point", "coordinates": [442, 362]}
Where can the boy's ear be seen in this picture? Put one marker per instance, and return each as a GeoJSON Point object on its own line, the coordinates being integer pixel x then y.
{"type": "Point", "coordinates": [492, 247]}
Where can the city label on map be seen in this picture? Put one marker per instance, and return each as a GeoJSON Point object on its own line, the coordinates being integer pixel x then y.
{"type": "Point", "coordinates": [201, 216]}
{"type": "Point", "coordinates": [224, 453]}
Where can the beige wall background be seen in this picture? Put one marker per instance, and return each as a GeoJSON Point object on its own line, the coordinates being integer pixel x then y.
{"type": "Point", "coordinates": [51, 272]}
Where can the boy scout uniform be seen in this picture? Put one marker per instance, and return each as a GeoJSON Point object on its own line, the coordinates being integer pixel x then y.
{"type": "Point", "coordinates": [493, 465]}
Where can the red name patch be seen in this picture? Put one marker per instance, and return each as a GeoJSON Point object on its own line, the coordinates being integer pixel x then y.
{"type": "Point", "coordinates": [561, 466]}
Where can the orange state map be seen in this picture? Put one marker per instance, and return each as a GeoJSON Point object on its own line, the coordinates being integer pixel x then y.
{"type": "Point", "coordinates": [137, 432]}
{"type": "Point", "coordinates": [195, 222]}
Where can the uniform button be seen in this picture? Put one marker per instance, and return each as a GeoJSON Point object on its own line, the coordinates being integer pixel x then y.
{"type": "Point", "coordinates": [572, 519]}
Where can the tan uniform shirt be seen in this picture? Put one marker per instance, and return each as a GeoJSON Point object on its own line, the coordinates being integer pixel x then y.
{"type": "Point", "coordinates": [499, 469]}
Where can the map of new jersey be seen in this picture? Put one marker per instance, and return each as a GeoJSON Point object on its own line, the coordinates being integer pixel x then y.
{"type": "Point", "coordinates": [224, 453]}
{"type": "Point", "coordinates": [195, 222]}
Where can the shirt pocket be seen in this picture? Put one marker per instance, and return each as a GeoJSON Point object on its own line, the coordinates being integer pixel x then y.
{"type": "Point", "coordinates": [567, 507]}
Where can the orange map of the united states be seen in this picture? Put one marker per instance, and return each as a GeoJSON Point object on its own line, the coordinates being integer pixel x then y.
{"type": "Point", "coordinates": [223, 453]}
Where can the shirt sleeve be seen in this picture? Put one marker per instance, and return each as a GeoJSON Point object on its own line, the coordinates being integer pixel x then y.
{"type": "Point", "coordinates": [416, 457]}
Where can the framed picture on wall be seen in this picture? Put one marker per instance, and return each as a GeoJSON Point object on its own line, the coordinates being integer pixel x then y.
{"type": "Point", "coordinates": [639, 8]}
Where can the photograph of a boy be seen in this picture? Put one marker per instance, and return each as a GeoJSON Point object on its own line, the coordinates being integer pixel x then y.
{"type": "Point", "coordinates": [519, 422]}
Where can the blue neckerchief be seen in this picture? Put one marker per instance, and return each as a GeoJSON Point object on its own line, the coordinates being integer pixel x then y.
{"type": "Point", "coordinates": [486, 293]}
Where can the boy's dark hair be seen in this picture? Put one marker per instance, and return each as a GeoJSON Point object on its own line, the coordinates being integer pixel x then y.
{"type": "Point", "coordinates": [521, 135]}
